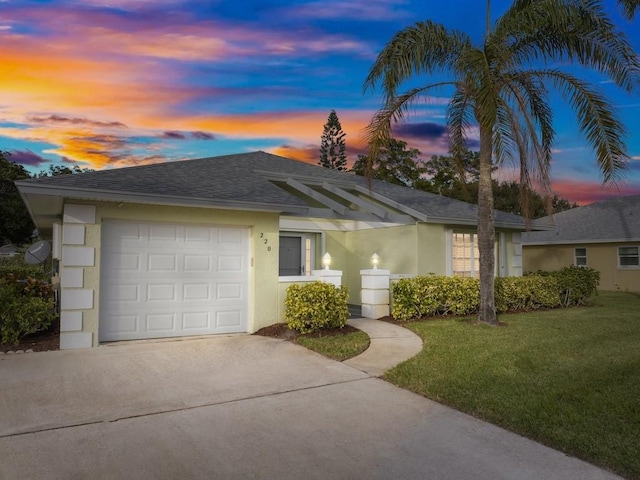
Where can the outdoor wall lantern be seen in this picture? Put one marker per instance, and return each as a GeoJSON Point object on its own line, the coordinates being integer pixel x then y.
{"type": "Point", "coordinates": [375, 260]}
{"type": "Point", "coordinates": [326, 260]}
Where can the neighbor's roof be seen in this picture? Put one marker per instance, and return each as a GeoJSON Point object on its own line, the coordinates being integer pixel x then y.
{"type": "Point", "coordinates": [613, 220]}
{"type": "Point", "coordinates": [253, 181]}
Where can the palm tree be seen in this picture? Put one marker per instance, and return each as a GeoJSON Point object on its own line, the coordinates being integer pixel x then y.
{"type": "Point", "coordinates": [502, 87]}
{"type": "Point", "coordinates": [629, 7]}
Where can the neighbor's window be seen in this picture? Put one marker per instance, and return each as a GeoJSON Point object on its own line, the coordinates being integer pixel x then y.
{"type": "Point", "coordinates": [628, 257]}
{"type": "Point", "coordinates": [465, 255]}
{"type": "Point", "coordinates": [580, 257]}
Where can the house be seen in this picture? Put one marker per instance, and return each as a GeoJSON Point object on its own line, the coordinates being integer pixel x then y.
{"type": "Point", "coordinates": [208, 246]}
{"type": "Point", "coordinates": [603, 235]}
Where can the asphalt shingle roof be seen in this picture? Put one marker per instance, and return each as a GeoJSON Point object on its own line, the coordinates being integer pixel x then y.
{"type": "Point", "coordinates": [614, 219]}
{"type": "Point", "coordinates": [244, 178]}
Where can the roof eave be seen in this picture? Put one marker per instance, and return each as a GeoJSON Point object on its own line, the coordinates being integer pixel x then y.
{"type": "Point", "coordinates": [26, 189]}
{"type": "Point", "coordinates": [582, 241]}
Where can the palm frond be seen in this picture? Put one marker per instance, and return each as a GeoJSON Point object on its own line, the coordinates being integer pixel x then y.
{"type": "Point", "coordinates": [574, 30]}
{"type": "Point", "coordinates": [425, 47]}
{"type": "Point", "coordinates": [629, 7]}
{"type": "Point", "coordinates": [597, 120]}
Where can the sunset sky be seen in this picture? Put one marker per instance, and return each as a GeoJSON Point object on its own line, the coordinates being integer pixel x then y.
{"type": "Point", "coordinates": [112, 83]}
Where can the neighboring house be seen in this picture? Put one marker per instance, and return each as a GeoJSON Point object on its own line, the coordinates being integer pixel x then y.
{"type": "Point", "coordinates": [604, 236]}
{"type": "Point", "coordinates": [208, 246]}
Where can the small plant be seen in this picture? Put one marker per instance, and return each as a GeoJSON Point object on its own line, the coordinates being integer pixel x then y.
{"type": "Point", "coordinates": [316, 305]}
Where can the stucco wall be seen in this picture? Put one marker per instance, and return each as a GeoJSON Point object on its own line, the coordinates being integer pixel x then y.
{"type": "Point", "coordinates": [263, 274]}
{"type": "Point", "coordinates": [351, 252]}
{"type": "Point", "coordinates": [602, 257]}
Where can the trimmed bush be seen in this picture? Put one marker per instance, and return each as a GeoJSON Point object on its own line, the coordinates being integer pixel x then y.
{"type": "Point", "coordinates": [515, 294]}
{"type": "Point", "coordinates": [434, 295]}
{"type": "Point", "coordinates": [316, 305]}
{"type": "Point", "coordinates": [26, 307]}
{"type": "Point", "coordinates": [439, 295]}
{"type": "Point", "coordinates": [577, 284]}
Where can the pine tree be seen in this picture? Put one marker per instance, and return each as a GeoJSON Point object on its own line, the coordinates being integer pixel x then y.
{"type": "Point", "coordinates": [332, 147]}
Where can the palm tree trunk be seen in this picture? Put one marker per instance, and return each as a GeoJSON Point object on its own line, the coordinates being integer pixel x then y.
{"type": "Point", "coordinates": [486, 231]}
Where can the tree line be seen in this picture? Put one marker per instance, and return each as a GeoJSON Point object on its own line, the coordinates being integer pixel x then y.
{"type": "Point", "coordinates": [444, 175]}
{"type": "Point", "coordinates": [16, 226]}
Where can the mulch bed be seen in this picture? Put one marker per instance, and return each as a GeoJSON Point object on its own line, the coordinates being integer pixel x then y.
{"type": "Point", "coordinates": [50, 340]}
{"type": "Point", "coordinates": [280, 330]}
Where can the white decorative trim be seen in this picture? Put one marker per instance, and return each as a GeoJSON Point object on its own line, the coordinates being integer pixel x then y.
{"type": "Point", "coordinates": [75, 340]}
{"type": "Point", "coordinates": [73, 235]}
{"type": "Point", "coordinates": [71, 321]}
{"type": "Point", "coordinates": [72, 277]}
{"type": "Point", "coordinates": [79, 213]}
{"type": "Point", "coordinates": [57, 241]}
{"type": "Point", "coordinates": [78, 256]}
{"type": "Point", "coordinates": [72, 299]}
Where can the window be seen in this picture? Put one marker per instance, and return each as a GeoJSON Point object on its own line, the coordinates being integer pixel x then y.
{"type": "Point", "coordinates": [628, 257]}
{"type": "Point", "coordinates": [465, 255]}
{"type": "Point", "coordinates": [297, 254]}
{"type": "Point", "coordinates": [580, 257]}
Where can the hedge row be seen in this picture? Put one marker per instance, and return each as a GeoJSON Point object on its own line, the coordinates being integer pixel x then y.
{"type": "Point", "coordinates": [439, 295]}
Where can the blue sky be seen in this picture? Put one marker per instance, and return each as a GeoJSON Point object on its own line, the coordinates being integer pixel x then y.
{"type": "Point", "coordinates": [111, 83]}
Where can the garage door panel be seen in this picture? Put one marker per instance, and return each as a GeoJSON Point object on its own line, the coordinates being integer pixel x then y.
{"type": "Point", "coordinates": [197, 263]}
{"type": "Point", "coordinates": [160, 322]}
{"type": "Point", "coordinates": [162, 263]}
{"type": "Point", "coordinates": [161, 293]}
{"type": "Point", "coordinates": [196, 291]}
{"type": "Point", "coordinates": [231, 236]}
{"type": "Point", "coordinates": [230, 318]}
{"type": "Point", "coordinates": [230, 263]}
{"type": "Point", "coordinates": [196, 321]}
{"type": "Point", "coordinates": [160, 280]}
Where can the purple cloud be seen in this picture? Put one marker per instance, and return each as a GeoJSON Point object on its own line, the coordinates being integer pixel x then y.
{"type": "Point", "coordinates": [423, 130]}
{"type": "Point", "coordinates": [172, 135]}
{"type": "Point", "coordinates": [59, 119]}
{"type": "Point", "coordinates": [202, 136]}
{"type": "Point", "coordinates": [27, 157]}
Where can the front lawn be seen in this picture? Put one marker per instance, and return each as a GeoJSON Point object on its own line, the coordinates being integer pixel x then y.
{"type": "Point", "coordinates": [568, 378]}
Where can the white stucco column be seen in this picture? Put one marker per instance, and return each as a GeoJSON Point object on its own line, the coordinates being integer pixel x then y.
{"type": "Point", "coordinates": [375, 292]}
{"type": "Point", "coordinates": [329, 276]}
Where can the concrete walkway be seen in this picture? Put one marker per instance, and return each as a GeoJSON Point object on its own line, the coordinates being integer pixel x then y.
{"type": "Point", "coordinates": [246, 407]}
{"type": "Point", "coordinates": [390, 345]}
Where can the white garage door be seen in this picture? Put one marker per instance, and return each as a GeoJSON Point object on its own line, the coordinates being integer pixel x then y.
{"type": "Point", "coordinates": [167, 280]}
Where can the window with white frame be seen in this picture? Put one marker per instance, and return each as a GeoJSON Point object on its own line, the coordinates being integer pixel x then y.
{"type": "Point", "coordinates": [628, 257]}
{"type": "Point", "coordinates": [580, 257]}
{"type": "Point", "coordinates": [464, 255]}
{"type": "Point", "coordinates": [296, 254]}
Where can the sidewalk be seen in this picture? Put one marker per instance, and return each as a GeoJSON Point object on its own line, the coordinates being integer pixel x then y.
{"type": "Point", "coordinates": [390, 345]}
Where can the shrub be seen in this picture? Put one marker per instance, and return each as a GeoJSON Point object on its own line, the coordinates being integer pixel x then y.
{"type": "Point", "coordinates": [21, 269]}
{"type": "Point", "coordinates": [577, 284]}
{"type": "Point", "coordinates": [526, 293]}
{"type": "Point", "coordinates": [27, 307]}
{"type": "Point", "coordinates": [434, 295]}
{"type": "Point", "coordinates": [316, 305]}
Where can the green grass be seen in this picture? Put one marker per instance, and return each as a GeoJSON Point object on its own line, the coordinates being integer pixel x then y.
{"type": "Point", "coordinates": [568, 378]}
{"type": "Point", "coordinates": [337, 347]}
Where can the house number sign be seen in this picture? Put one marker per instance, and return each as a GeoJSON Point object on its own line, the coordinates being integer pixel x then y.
{"type": "Point", "coordinates": [265, 241]}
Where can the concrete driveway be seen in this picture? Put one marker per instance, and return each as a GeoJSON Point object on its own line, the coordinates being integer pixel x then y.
{"type": "Point", "coordinates": [241, 407]}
